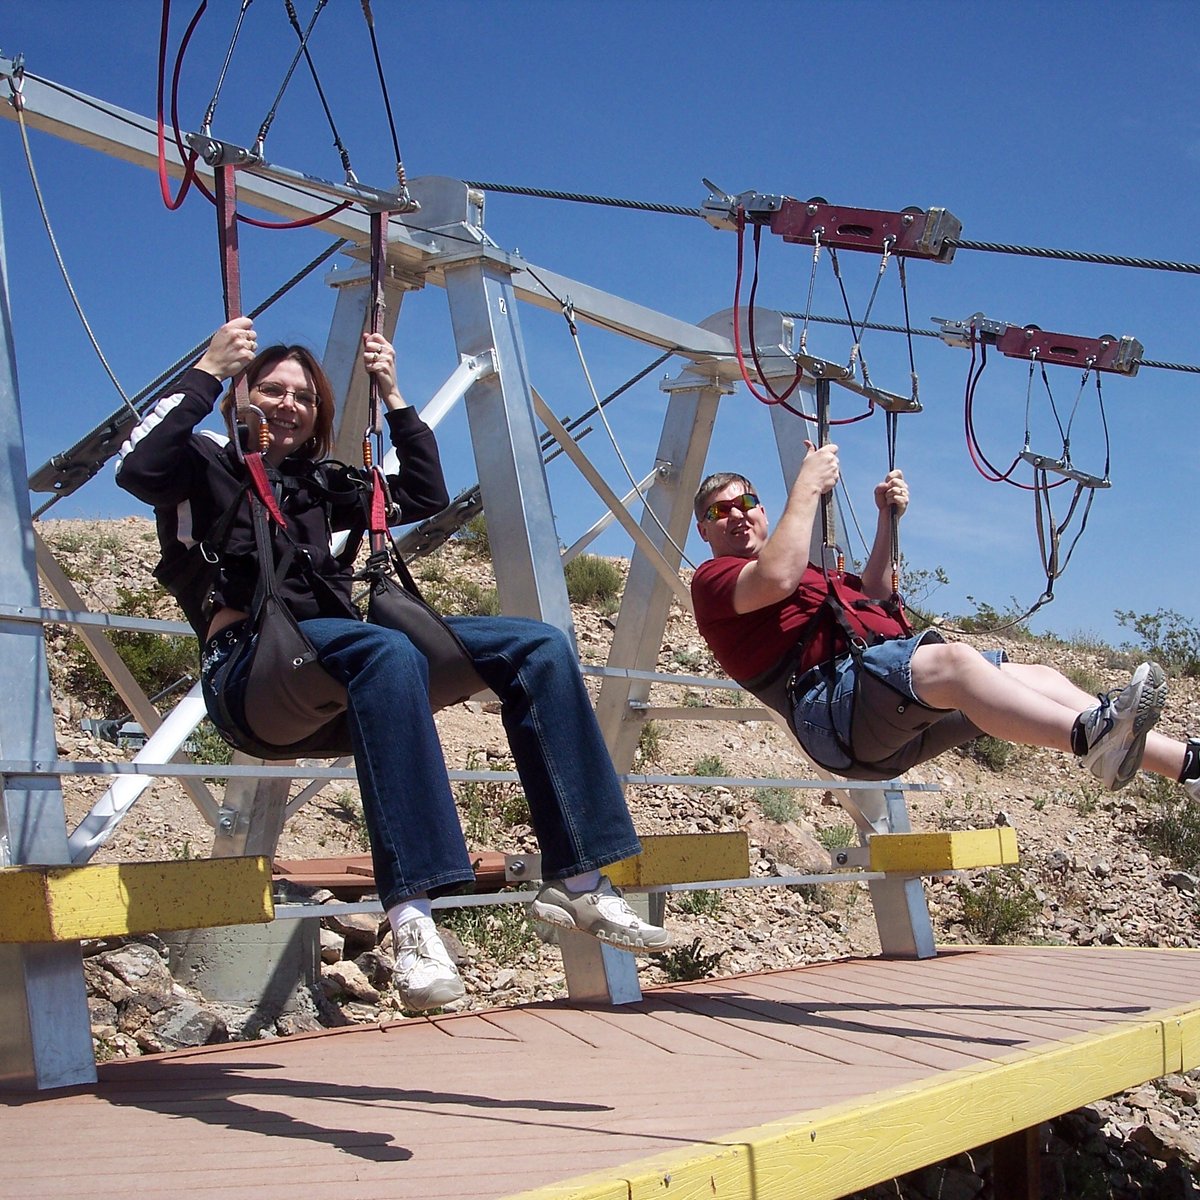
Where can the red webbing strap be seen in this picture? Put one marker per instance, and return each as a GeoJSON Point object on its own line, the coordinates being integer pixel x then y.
{"type": "Point", "coordinates": [379, 505]}
{"type": "Point", "coordinates": [231, 270]}
{"type": "Point", "coordinates": [378, 305]}
{"type": "Point", "coordinates": [262, 487]}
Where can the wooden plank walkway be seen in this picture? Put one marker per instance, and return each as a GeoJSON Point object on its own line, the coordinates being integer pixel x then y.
{"type": "Point", "coordinates": [808, 1083]}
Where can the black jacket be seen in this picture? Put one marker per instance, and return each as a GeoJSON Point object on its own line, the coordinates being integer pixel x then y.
{"type": "Point", "coordinates": [193, 478]}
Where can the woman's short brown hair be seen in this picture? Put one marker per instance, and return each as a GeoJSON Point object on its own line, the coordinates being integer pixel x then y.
{"type": "Point", "coordinates": [321, 443]}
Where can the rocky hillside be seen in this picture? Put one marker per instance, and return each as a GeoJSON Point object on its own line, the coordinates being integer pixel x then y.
{"type": "Point", "coordinates": [1096, 868]}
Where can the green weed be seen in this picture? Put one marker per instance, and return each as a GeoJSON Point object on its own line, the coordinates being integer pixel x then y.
{"type": "Point", "coordinates": [704, 902]}
{"type": "Point", "coordinates": [1173, 829]}
{"type": "Point", "coordinates": [592, 580]}
{"type": "Point", "coordinates": [989, 752]}
{"type": "Point", "coordinates": [838, 837]}
{"type": "Point", "coordinates": [474, 537]}
{"type": "Point", "coordinates": [778, 804]}
{"type": "Point", "coordinates": [710, 765]}
{"type": "Point", "coordinates": [1167, 637]}
{"type": "Point", "coordinates": [501, 931]}
{"type": "Point", "coordinates": [650, 741]}
{"type": "Point", "coordinates": [686, 963]}
{"type": "Point", "coordinates": [998, 909]}
{"type": "Point", "coordinates": [156, 661]}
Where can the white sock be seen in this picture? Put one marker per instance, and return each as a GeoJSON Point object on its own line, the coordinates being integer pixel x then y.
{"type": "Point", "coordinates": [409, 909]}
{"type": "Point", "coordinates": [589, 881]}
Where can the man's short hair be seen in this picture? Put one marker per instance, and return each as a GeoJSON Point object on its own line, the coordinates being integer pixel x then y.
{"type": "Point", "coordinates": [712, 485]}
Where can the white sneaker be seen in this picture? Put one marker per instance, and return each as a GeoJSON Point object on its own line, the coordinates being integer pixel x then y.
{"type": "Point", "coordinates": [425, 976]}
{"type": "Point", "coordinates": [1116, 728]}
{"type": "Point", "coordinates": [602, 913]}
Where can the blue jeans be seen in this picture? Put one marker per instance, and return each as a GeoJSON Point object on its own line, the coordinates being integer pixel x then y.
{"type": "Point", "coordinates": [576, 805]}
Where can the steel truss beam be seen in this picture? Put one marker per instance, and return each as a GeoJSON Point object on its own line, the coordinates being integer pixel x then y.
{"type": "Point", "coordinates": [483, 283]}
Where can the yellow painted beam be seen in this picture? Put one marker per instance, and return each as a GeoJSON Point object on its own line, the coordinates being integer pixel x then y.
{"type": "Point", "coordinates": [684, 858]}
{"type": "Point", "coordinates": [829, 1152]}
{"type": "Point", "coordinates": [67, 903]}
{"type": "Point", "coordinates": [955, 850]}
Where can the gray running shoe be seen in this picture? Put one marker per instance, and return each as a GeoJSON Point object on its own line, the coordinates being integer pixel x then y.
{"type": "Point", "coordinates": [425, 976]}
{"type": "Point", "coordinates": [602, 913]}
{"type": "Point", "coordinates": [1116, 728]}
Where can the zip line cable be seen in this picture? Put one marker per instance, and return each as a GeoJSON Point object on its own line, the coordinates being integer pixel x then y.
{"type": "Point", "coordinates": [1111, 260]}
{"type": "Point", "coordinates": [676, 210]}
{"type": "Point", "coordinates": [110, 428]}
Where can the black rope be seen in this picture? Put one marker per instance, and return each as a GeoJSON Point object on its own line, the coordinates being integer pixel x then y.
{"type": "Point", "coordinates": [401, 178]}
{"type": "Point", "coordinates": [339, 145]}
{"type": "Point", "coordinates": [269, 119]}
{"type": "Point", "coordinates": [121, 420]}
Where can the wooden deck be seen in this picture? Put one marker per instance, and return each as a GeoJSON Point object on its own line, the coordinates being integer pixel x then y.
{"type": "Point", "coordinates": [806, 1083]}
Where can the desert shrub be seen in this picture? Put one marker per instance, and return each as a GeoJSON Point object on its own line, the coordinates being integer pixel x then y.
{"type": "Point", "coordinates": [987, 618]}
{"type": "Point", "coordinates": [997, 908]}
{"type": "Point", "coordinates": [474, 537]}
{"type": "Point", "coordinates": [837, 837]}
{"type": "Point", "coordinates": [703, 902]}
{"type": "Point", "coordinates": [778, 804]}
{"type": "Point", "coordinates": [500, 931]}
{"type": "Point", "coordinates": [1084, 678]}
{"type": "Point", "coordinates": [650, 741]}
{"type": "Point", "coordinates": [918, 585]}
{"type": "Point", "coordinates": [470, 599]}
{"type": "Point", "coordinates": [592, 580]}
{"type": "Point", "coordinates": [989, 752]}
{"type": "Point", "coordinates": [1167, 637]}
{"type": "Point", "coordinates": [686, 963]}
{"type": "Point", "coordinates": [156, 661]}
{"type": "Point", "coordinates": [1173, 827]}
{"type": "Point", "coordinates": [709, 764]}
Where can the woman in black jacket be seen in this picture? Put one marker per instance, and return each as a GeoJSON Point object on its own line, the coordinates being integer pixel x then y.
{"type": "Point", "coordinates": [193, 478]}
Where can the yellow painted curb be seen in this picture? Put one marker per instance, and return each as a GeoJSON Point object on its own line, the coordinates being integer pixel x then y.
{"type": "Point", "coordinates": [956, 850]}
{"type": "Point", "coordinates": [684, 858]}
{"type": "Point", "coordinates": [842, 1148]}
{"type": "Point", "coordinates": [67, 903]}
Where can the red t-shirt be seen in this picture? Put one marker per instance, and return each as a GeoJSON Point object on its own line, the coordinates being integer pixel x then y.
{"type": "Point", "coordinates": [747, 644]}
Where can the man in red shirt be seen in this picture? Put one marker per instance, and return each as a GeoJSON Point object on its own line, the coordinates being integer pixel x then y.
{"type": "Point", "coordinates": [865, 697]}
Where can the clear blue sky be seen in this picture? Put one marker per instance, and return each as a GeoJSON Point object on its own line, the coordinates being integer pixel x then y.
{"type": "Point", "coordinates": [1071, 125]}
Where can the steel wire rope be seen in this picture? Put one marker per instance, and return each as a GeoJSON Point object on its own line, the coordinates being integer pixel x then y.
{"type": "Point", "coordinates": [1115, 260]}
{"type": "Point", "coordinates": [151, 390]}
{"type": "Point", "coordinates": [211, 110]}
{"type": "Point", "coordinates": [338, 144]}
{"type": "Point", "coordinates": [677, 210]}
{"type": "Point", "coordinates": [569, 315]}
{"type": "Point", "coordinates": [62, 266]}
{"type": "Point", "coordinates": [269, 119]}
{"type": "Point", "coordinates": [369, 17]}
{"type": "Point", "coordinates": [189, 156]}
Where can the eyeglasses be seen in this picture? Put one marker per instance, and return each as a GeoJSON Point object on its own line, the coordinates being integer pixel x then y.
{"type": "Point", "coordinates": [746, 502]}
{"type": "Point", "coordinates": [276, 391]}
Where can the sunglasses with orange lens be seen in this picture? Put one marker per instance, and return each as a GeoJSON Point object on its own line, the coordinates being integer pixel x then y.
{"type": "Point", "coordinates": [747, 502]}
